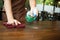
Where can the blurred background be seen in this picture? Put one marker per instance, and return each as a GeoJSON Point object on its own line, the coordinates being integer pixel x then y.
{"type": "Point", "coordinates": [49, 10]}
{"type": "Point", "coordinates": [1, 6]}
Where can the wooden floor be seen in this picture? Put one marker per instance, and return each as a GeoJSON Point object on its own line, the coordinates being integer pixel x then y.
{"type": "Point", "coordinates": [44, 30]}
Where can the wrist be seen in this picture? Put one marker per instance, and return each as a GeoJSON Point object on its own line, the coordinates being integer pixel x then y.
{"type": "Point", "coordinates": [10, 19]}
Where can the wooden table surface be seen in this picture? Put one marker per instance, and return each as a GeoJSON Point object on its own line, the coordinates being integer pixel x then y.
{"type": "Point", "coordinates": [44, 30]}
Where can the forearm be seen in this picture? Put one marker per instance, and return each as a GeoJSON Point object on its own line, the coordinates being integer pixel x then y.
{"type": "Point", "coordinates": [32, 4]}
{"type": "Point", "coordinates": [8, 9]}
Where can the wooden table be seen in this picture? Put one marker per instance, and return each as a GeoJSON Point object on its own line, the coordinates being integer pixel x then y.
{"type": "Point", "coordinates": [44, 30]}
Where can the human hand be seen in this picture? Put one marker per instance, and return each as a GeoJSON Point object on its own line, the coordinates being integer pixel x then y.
{"type": "Point", "coordinates": [34, 12]}
{"type": "Point", "coordinates": [13, 22]}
